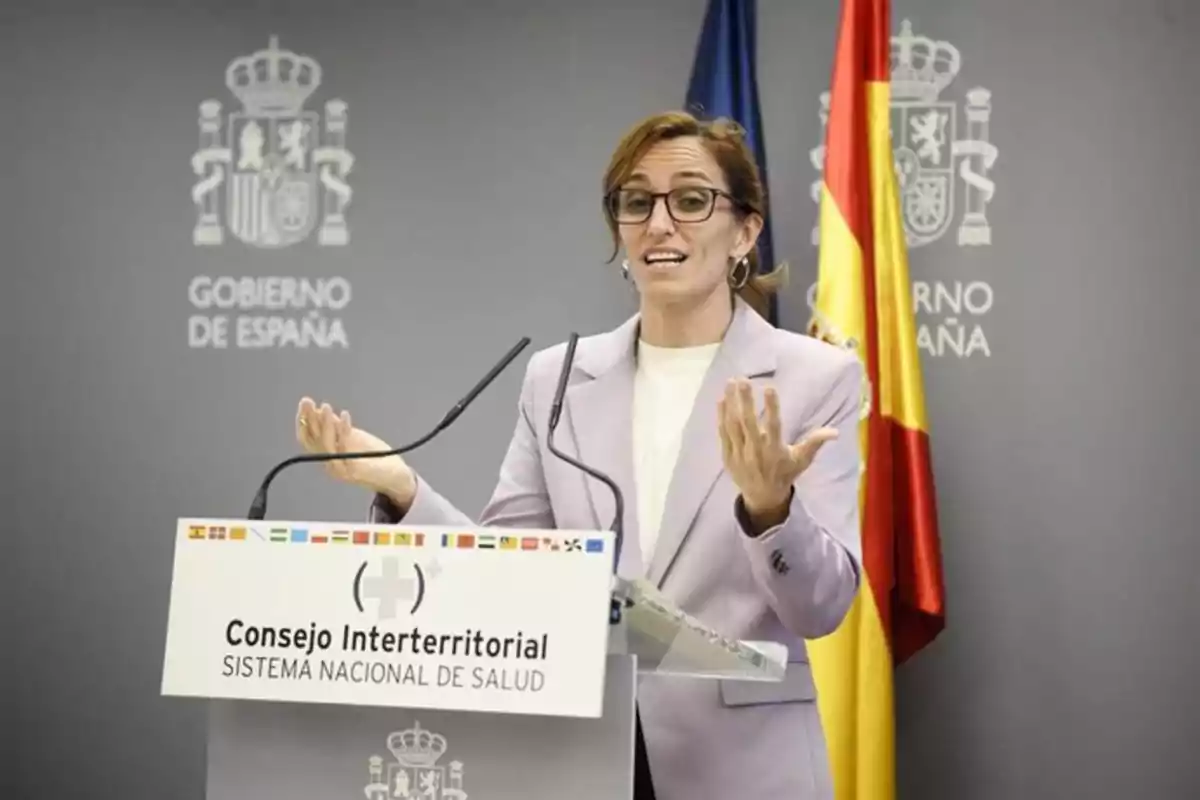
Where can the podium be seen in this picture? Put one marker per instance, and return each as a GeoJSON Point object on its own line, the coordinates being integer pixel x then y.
{"type": "Point", "coordinates": [394, 662]}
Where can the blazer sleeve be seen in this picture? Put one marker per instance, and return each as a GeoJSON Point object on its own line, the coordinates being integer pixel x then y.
{"type": "Point", "coordinates": [520, 499]}
{"type": "Point", "coordinates": [810, 564]}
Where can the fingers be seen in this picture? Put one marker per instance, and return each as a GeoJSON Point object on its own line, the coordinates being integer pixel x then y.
{"type": "Point", "coordinates": [774, 421]}
{"type": "Point", "coordinates": [723, 431]}
{"type": "Point", "coordinates": [747, 414]}
{"type": "Point", "coordinates": [750, 439]}
{"type": "Point", "coordinates": [739, 422]}
{"type": "Point", "coordinates": [820, 436]}
{"type": "Point", "coordinates": [319, 430]}
{"type": "Point", "coordinates": [762, 447]}
{"type": "Point", "coordinates": [731, 420]}
{"type": "Point", "coordinates": [806, 449]}
{"type": "Point", "coordinates": [307, 424]}
{"type": "Point", "coordinates": [327, 430]}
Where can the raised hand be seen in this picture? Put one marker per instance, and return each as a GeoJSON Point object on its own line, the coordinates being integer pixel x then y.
{"type": "Point", "coordinates": [321, 430]}
{"type": "Point", "coordinates": [763, 466]}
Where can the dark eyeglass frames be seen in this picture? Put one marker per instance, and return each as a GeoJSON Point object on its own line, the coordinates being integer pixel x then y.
{"type": "Point", "coordinates": [686, 204]}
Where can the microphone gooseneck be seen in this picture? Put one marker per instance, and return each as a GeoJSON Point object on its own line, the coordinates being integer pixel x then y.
{"type": "Point", "coordinates": [258, 507]}
{"type": "Point", "coordinates": [618, 523]}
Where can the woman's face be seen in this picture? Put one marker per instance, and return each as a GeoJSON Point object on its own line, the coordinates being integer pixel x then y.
{"type": "Point", "coordinates": [680, 246]}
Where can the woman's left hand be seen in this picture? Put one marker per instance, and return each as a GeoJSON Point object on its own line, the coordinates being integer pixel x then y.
{"type": "Point", "coordinates": [763, 466]}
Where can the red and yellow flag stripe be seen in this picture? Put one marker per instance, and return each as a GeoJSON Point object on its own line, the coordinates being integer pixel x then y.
{"type": "Point", "coordinates": [864, 302]}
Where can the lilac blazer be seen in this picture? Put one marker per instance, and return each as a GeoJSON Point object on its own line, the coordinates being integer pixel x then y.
{"type": "Point", "coordinates": [704, 739]}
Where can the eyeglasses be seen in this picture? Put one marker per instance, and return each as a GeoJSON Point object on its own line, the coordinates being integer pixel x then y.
{"type": "Point", "coordinates": [684, 203]}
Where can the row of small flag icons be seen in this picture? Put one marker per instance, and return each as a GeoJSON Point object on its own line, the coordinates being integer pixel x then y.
{"type": "Point", "coordinates": [457, 541]}
{"type": "Point", "coordinates": [303, 536]}
{"type": "Point", "coordinates": [477, 541]}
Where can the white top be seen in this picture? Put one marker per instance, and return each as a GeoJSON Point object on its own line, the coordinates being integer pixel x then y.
{"type": "Point", "coordinates": [664, 392]}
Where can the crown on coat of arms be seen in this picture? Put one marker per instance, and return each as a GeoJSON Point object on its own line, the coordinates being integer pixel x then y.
{"type": "Point", "coordinates": [921, 67]}
{"type": "Point", "coordinates": [273, 82]}
{"type": "Point", "coordinates": [416, 747]}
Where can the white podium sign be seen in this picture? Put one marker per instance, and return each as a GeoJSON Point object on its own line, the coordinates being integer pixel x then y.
{"type": "Point", "coordinates": [489, 620]}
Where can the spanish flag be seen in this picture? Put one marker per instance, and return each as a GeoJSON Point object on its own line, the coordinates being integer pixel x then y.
{"type": "Point", "coordinates": [863, 302]}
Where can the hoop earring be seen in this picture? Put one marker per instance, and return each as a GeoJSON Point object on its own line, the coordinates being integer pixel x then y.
{"type": "Point", "coordinates": [625, 269]}
{"type": "Point", "coordinates": [740, 282]}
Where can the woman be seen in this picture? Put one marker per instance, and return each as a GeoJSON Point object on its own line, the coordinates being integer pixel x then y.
{"type": "Point", "coordinates": [746, 519]}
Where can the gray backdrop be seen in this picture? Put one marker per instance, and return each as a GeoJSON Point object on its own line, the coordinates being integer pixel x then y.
{"type": "Point", "coordinates": [1066, 449]}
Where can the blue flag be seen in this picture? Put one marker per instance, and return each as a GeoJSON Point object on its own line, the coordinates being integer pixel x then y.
{"type": "Point", "coordinates": [724, 84]}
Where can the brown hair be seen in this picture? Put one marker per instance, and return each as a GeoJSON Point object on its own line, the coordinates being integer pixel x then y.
{"type": "Point", "coordinates": [725, 140]}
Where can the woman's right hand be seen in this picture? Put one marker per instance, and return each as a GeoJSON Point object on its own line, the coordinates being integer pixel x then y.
{"type": "Point", "coordinates": [320, 430]}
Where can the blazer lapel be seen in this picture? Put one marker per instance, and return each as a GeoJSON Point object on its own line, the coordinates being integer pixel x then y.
{"type": "Point", "coordinates": [747, 352]}
{"type": "Point", "coordinates": [599, 412]}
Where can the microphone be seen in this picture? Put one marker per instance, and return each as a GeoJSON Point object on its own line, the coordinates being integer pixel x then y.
{"type": "Point", "coordinates": [258, 507]}
{"type": "Point", "coordinates": [618, 524]}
